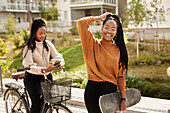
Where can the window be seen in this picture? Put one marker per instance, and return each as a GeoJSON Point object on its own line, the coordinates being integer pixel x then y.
{"type": "Point", "coordinates": [19, 20]}
{"type": "Point", "coordinates": [87, 12]}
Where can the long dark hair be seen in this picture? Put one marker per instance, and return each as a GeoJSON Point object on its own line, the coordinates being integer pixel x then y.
{"type": "Point", "coordinates": [37, 23]}
{"type": "Point", "coordinates": [119, 39]}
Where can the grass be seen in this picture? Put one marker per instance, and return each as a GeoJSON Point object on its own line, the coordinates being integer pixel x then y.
{"type": "Point", "coordinates": [73, 57]}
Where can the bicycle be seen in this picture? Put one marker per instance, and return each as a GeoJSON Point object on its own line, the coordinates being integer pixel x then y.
{"type": "Point", "coordinates": [55, 93]}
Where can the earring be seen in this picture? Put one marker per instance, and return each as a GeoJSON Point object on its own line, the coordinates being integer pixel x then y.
{"type": "Point", "coordinates": [114, 39]}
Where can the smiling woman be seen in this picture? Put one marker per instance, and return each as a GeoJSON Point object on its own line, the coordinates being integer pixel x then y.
{"type": "Point", "coordinates": [41, 54]}
{"type": "Point", "coordinates": [109, 30]}
{"type": "Point", "coordinates": [41, 34]}
{"type": "Point", "coordinates": [106, 62]}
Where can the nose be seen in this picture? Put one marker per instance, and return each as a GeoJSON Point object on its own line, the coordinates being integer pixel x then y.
{"type": "Point", "coordinates": [110, 31]}
{"type": "Point", "coordinates": [44, 35]}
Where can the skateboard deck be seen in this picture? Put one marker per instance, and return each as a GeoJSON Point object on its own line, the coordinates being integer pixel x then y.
{"type": "Point", "coordinates": [110, 103]}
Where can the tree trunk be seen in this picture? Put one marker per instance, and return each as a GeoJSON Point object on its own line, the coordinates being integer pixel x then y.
{"type": "Point", "coordinates": [144, 37]}
{"type": "Point", "coordinates": [164, 42]}
{"type": "Point", "coordinates": [155, 41]}
{"type": "Point", "coordinates": [137, 44]}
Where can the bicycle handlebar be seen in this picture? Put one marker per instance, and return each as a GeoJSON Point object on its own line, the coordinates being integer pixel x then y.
{"type": "Point", "coordinates": [23, 69]}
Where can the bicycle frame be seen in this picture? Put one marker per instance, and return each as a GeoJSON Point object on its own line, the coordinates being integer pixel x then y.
{"type": "Point", "coordinates": [23, 95]}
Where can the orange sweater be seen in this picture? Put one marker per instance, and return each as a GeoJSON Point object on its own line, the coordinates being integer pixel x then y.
{"type": "Point", "coordinates": [101, 57]}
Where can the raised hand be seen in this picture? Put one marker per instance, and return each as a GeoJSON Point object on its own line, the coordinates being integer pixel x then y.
{"type": "Point", "coordinates": [101, 17]}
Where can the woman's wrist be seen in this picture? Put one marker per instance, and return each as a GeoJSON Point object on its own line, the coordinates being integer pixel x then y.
{"type": "Point", "coordinates": [97, 18]}
{"type": "Point", "coordinates": [123, 99]}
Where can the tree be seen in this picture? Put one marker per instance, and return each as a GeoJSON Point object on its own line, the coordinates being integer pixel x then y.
{"type": "Point", "coordinates": [10, 25]}
{"type": "Point", "coordinates": [53, 13]}
{"type": "Point", "coordinates": [11, 28]}
{"type": "Point", "coordinates": [140, 12]}
{"type": "Point", "coordinates": [49, 13]}
{"type": "Point", "coordinates": [157, 15]}
{"type": "Point", "coordinates": [42, 10]}
{"type": "Point", "coordinates": [136, 14]}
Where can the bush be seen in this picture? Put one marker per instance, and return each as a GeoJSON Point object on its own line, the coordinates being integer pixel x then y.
{"type": "Point", "coordinates": [10, 24]}
{"type": "Point", "coordinates": [98, 34]}
{"type": "Point", "coordinates": [131, 39]}
{"type": "Point", "coordinates": [25, 34]}
{"type": "Point", "coordinates": [16, 40]}
{"type": "Point", "coordinates": [3, 51]}
{"type": "Point", "coordinates": [148, 88]}
{"type": "Point", "coordinates": [79, 77]}
{"type": "Point", "coordinates": [3, 47]}
{"type": "Point", "coordinates": [74, 30]}
{"type": "Point", "coordinates": [132, 81]}
{"type": "Point", "coordinates": [146, 59]}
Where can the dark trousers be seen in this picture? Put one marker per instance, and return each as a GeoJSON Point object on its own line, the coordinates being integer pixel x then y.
{"type": "Point", "coordinates": [33, 85]}
{"type": "Point", "coordinates": [93, 91]}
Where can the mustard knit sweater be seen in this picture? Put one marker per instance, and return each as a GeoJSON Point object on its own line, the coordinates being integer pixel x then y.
{"type": "Point", "coordinates": [101, 56]}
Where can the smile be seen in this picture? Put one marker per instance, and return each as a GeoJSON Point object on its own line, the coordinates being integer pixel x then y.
{"type": "Point", "coordinates": [108, 35]}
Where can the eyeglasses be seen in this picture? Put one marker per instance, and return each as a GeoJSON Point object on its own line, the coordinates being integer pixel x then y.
{"type": "Point", "coordinates": [111, 29]}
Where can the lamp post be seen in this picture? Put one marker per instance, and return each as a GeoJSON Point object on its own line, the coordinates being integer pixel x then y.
{"type": "Point", "coordinates": [1, 58]}
{"type": "Point", "coordinates": [29, 14]}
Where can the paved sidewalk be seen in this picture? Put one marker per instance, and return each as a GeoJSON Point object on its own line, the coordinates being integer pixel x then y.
{"type": "Point", "coordinates": [76, 104]}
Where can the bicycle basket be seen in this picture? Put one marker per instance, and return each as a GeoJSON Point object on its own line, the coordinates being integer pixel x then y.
{"type": "Point", "coordinates": [59, 90]}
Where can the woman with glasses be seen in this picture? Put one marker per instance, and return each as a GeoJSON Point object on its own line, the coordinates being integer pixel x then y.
{"type": "Point", "coordinates": [106, 60]}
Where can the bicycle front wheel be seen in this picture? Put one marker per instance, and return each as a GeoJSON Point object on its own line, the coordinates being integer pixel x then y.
{"type": "Point", "coordinates": [12, 98]}
{"type": "Point", "coordinates": [58, 108]}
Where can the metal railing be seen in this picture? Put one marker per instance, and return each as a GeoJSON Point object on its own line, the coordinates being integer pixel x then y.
{"type": "Point", "coordinates": [1, 58]}
{"type": "Point", "coordinates": [92, 1]}
{"type": "Point", "coordinates": [18, 7]}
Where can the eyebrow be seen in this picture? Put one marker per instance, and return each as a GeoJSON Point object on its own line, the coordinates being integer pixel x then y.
{"type": "Point", "coordinates": [109, 26]}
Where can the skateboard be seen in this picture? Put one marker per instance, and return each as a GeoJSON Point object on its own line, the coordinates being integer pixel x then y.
{"type": "Point", "coordinates": [110, 103]}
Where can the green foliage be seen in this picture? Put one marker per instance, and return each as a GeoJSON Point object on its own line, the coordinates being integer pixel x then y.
{"type": "Point", "coordinates": [139, 12]}
{"type": "Point", "coordinates": [136, 13]}
{"type": "Point", "coordinates": [132, 81]}
{"type": "Point", "coordinates": [3, 47]}
{"type": "Point", "coordinates": [98, 34]}
{"type": "Point", "coordinates": [16, 63]}
{"type": "Point", "coordinates": [79, 77]}
{"type": "Point", "coordinates": [16, 40]}
{"type": "Point", "coordinates": [158, 11]}
{"type": "Point", "coordinates": [25, 34]}
{"type": "Point", "coordinates": [49, 13]}
{"type": "Point", "coordinates": [73, 56]}
{"type": "Point", "coordinates": [3, 51]}
{"type": "Point", "coordinates": [147, 58]}
{"type": "Point", "coordinates": [53, 13]}
{"type": "Point", "coordinates": [148, 87]}
{"type": "Point", "coordinates": [131, 40]}
{"type": "Point", "coordinates": [74, 30]}
{"type": "Point", "coordinates": [42, 10]}
{"type": "Point", "coordinates": [10, 24]}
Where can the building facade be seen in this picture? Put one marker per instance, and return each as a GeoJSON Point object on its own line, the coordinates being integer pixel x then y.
{"type": "Point", "coordinates": [76, 9]}
{"type": "Point", "coordinates": [19, 8]}
{"type": "Point", "coordinates": [72, 10]}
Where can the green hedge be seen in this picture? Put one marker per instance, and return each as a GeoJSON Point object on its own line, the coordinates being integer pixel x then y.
{"type": "Point", "coordinates": [149, 88]}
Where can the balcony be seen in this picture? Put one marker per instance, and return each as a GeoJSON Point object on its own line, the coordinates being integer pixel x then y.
{"type": "Point", "coordinates": [14, 7]}
{"type": "Point", "coordinates": [74, 2]}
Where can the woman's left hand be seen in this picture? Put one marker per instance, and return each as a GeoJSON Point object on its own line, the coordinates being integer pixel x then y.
{"type": "Point", "coordinates": [123, 105]}
{"type": "Point", "coordinates": [59, 66]}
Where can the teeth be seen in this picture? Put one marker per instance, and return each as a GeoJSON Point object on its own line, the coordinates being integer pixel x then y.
{"type": "Point", "coordinates": [109, 35]}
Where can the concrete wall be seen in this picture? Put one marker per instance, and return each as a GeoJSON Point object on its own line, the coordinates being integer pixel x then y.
{"type": "Point", "coordinates": [65, 6]}
{"type": "Point", "coordinates": [76, 14]}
